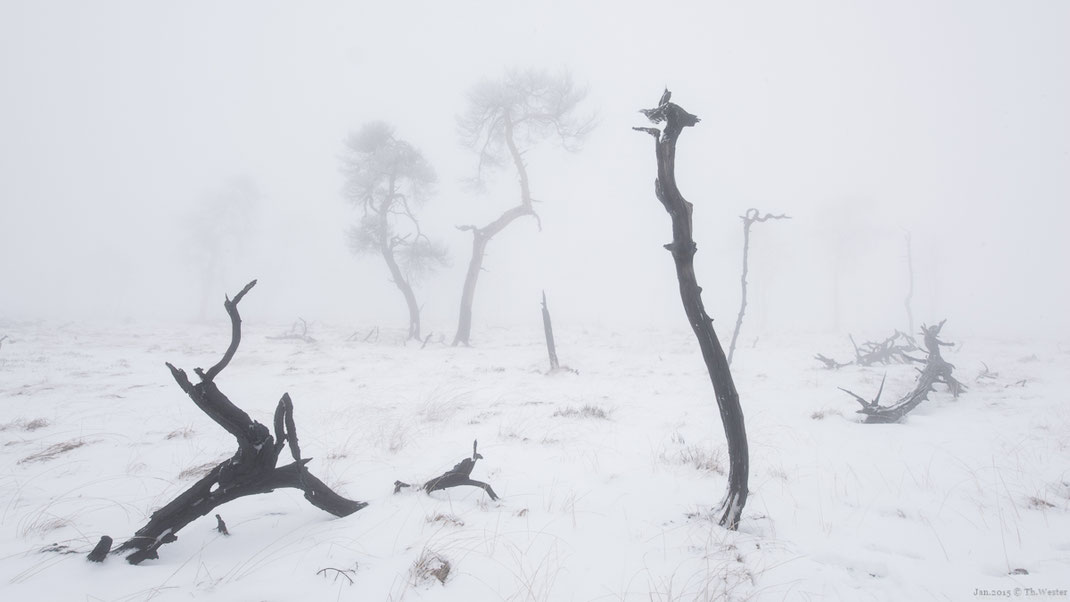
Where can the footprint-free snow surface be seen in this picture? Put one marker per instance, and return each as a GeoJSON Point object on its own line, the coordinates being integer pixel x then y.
{"type": "Point", "coordinates": [607, 475]}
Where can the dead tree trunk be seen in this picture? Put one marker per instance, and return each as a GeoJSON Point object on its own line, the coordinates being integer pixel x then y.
{"type": "Point", "coordinates": [683, 250]}
{"type": "Point", "coordinates": [251, 470]}
{"type": "Point", "coordinates": [387, 250]}
{"type": "Point", "coordinates": [482, 236]}
{"type": "Point", "coordinates": [936, 370]}
{"type": "Point", "coordinates": [548, 329]}
{"type": "Point", "coordinates": [752, 215]}
{"type": "Point", "coordinates": [910, 291]}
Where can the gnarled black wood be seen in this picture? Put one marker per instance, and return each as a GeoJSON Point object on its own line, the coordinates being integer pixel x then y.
{"type": "Point", "coordinates": [683, 250]}
{"type": "Point", "coordinates": [100, 551]}
{"type": "Point", "coordinates": [936, 370]}
{"type": "Point", "coordinates": [253, 468]}
{"type": "Point", "coordinates": [460, 474]}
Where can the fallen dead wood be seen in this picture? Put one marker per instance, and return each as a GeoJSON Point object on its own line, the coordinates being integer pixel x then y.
{"type": "Point", "coordinates": [293, 333]}
{"type": "Point", "coordinates": [250, 471]}
{"type": "Point", "coordinates": [460, 474]}
{"type": "Point", "coordinates": [895, 349]}
{"type": "Point", "coordinates": [937, 370]}
{"type": "Point", "coordinates": [830, 364]}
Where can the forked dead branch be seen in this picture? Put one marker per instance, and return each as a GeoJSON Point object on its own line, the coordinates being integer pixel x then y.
{"type": "Point", "coordinates": [683, 250]}
{"type": "Point", "coordinates": [936, 370]}
{"type": "Point", "coordinates": [250, 471]}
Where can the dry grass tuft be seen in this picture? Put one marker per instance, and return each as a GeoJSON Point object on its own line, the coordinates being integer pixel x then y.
{"type": "Point", "coordinates": [428, 568]}
{"type": "Point", "coordinates": [24, 425]}
{"type": "Point", "coordinates": [1039, 503]}
{"type": "Point", "coordinates": [52, 451]}
{"type": "Point", "coordinates": [446, 519]}
{"type": "Point", "coordinates": [587, 411]}
{"type": "Point", "coordinates": [185, 432]}
{"type": "Point", "coordinates": [700, 458]}
{"type": "Point", "coordinates": [196, 472]}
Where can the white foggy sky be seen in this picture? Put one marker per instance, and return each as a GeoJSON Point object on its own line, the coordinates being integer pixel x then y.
{"type": "Point", "coordinates": [860, 119]}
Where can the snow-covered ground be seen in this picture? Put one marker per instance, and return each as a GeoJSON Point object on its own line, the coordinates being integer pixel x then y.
{"type": "Point", "coordinates": [606, 475]}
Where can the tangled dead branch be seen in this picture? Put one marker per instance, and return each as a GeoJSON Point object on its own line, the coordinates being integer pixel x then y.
{"type": "Point", "coordinates": [937, 370]}
{"type": "Point", "coordinates": [895, 349]}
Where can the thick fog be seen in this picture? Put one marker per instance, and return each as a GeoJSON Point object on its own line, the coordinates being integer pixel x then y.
{"type": "Point", "coordinates": [155, 155]}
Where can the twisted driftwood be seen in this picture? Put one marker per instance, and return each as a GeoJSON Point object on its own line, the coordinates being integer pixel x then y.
{"type": "Point", "coordinates": [460, 474]}
{"type": "Point", "coordinates": [936, 370]}
{"type": "Point", "coordinates": [251, 470]}
{"type": "Point", "coordinates": [683, 250]}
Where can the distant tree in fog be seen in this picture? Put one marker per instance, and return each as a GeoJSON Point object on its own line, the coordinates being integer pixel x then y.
{"type": "Point", "coordinates": [505, 118]}
{"type": "Point", "coordinates": [218, 233]}
{"type": "Point", "coordinates": [388, 178]}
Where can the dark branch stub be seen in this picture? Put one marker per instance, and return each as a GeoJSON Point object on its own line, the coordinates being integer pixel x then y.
{"type": "Point", "coordinates": [683, 250]}
{"type": "Point", "coordinates": [100, 551]}
{"type": "Point", "coordinates": [250, 471]}
{"type": "Point", "coordinates": [937, 370]}
{"type": "Point", "coordinates": [459, 475]}
{"type": "Point", "coordinates": [220, 525]}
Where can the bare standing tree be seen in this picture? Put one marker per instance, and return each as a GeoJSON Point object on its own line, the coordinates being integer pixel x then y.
{"type": "Point", "coordinates": [910, 291]}
{"type": "Point", "coordinates": [749, 217]}
{"type": "Point", "coordinates": [505, 118]}
{"type": "Point", "coordinates": [683, 249]}
{"type": "Point", "coordinates": [387, 178]}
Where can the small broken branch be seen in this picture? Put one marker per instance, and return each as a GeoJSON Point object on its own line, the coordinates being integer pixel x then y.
{"type": "Point", "coordinates": [100, 551]}
{"type": "Point", "coordinates": [830, 364]}
{"type": "Point", "coordinates": [459, 475]}
{"type": "Point", "coordinates": [986, 374]}
{"type": "Point", "coordinates": [294, 334]}
{"type": "Point", "coordinates": [221, 526]}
